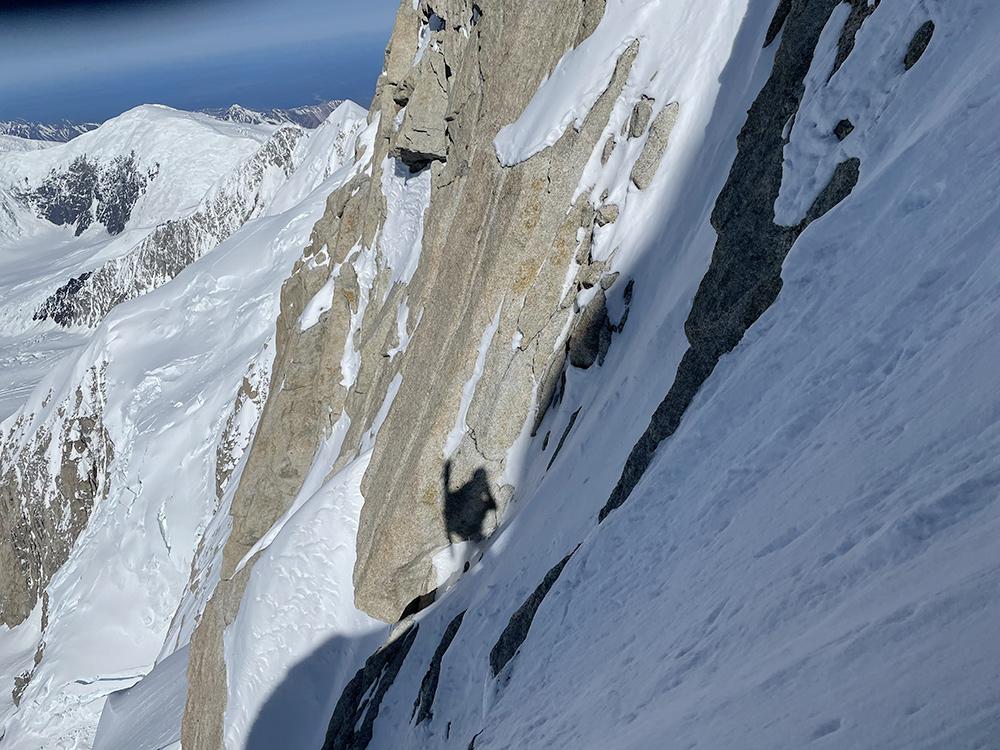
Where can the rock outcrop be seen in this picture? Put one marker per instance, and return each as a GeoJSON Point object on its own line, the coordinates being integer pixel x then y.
{"type": "Point", "coordinates": [438, 109]}
{"type": "Point", "coordinates": [89, 191]}
{"type": "Point", "coordinates": [433, 247]}
{"type": "Point", "coordinates": [53, 473]}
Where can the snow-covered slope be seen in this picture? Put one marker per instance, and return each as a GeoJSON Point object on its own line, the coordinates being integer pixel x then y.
{"type": "Point", "coordinates": [811, 557]}
{"type": "Point", "coordinates": [13, 143]}
{"type": "Point", "coordinates": [159, 371]}
{"type": "Point", "coordinates": [749, 488]}
{"type": "Point", "coordinates": [197, 180]}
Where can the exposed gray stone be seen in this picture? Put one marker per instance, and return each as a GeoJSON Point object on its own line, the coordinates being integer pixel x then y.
{"type": "Point", "coordinates": [777, 22]}
{"type": "Point", "coordinates": [353, 718]}
{"type": "Point", "coordinates": [607, 214]}
{"type": "Point", "coordinates": [305, 395]}
{"type": "Point", "coordinates": [609, 147]}
{"type": "Point", "coordinates": [641, 113]}
{"type": "Point", "coordinates": [843, 129]}
{"type": "Point", "coordinates": [918, 45]}
{"type": "Point", "coordinates": [845, 177]}
{"type": "Point", "coordinates": [428, 686]}
{"type": "Point", "coordinates": [42, 513]}
{"type": "Point", "coordinates": [593, 12]}
{"type": "Point", "coordinates": [569, 426]}
{"type": "Point", "coordinates": [590, 275]}
{"type": "Point", "coordinates": [22, 680]}
{"type": "Point", "coordinates": [520, 622]}
{"type": "Point", "coordinates": [520, 240]}
{"type": "Point", "coordinates": [585, 343]}
{"type": "Point", "coordinates": [250, 400]}
{"type": "Point", "coordinates": [421, 136]}
{"type": "Point", "coordinates": [89, 190]}
{"type": "Point", "coordinates": [205, 707]}
{"type": "Point", "coordinates": [492, 235]}
{"type": "Point", "coordinates": [656, 144]}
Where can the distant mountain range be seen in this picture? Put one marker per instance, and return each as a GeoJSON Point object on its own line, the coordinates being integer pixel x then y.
{"type": "Point", "coordinates": [309, 116]}
{"type": "Point", "coordinates": [61, 131]}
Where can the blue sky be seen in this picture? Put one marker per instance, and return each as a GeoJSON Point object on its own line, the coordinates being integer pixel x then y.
{"type": "Point", "coordinates": [92, 60]}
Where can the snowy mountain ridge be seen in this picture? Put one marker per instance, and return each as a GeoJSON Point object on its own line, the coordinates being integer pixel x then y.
{"type": "Point", "coordinates": [308, 116]}
{"type": "Point", "coordinates": [627, 373]}
{"type": "Point", "coordinates": [61, 131]}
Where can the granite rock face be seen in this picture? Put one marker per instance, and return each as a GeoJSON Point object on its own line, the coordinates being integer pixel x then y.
{"type": "Point", "coordinates": [455, 293]}
{"type": "Point", "coordinates": [497, 244]}
{"type": "Point", "coordinates": [494, 245]}
{"type": "Point", "coordinates": [659, 138]}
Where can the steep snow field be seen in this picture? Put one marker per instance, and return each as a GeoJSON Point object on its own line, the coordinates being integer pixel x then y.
{"type": "Point", "coordinates": [813, 556]}
{"type": "Point", "coordinates": [810, 560]}
{"type": "Point", "coordinates": [173, 360]}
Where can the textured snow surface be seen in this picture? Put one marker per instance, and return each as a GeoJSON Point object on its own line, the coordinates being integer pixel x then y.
{"type": "Point", "coordinates": [812, 559]}
{"type": "Point", "coordinates": [299, 607]}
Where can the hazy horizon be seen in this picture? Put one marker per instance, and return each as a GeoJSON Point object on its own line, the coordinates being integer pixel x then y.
{"type": "Point", "coordinates": [91, 62]}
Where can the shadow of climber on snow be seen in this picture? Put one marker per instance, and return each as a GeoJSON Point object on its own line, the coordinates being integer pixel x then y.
{"type": "Point", "coordinates": [466, 508]}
